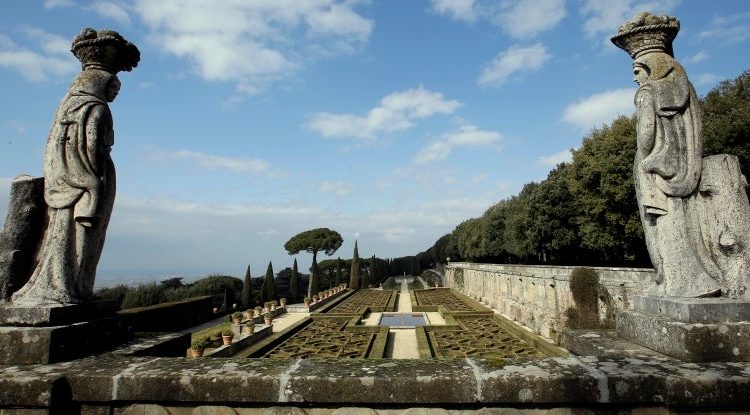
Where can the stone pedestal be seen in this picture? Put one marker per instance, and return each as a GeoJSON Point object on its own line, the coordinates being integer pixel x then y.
{"type": "Point", "coordinates": [49, 334]}
{"type": "Point", "coordinates": [689, 329]}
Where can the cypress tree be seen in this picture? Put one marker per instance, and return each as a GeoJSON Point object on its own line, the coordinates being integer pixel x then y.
{"type": "Point", "coordinates": [247, 290]}
{"type": "Point", "coordinates": [354, 273]}
{"type": "Point", "coordinates": [294, 284]}
{"type": "Point", "coordinates": [374, 271]}
{"type": "Point", "coordinates": [268, 290]}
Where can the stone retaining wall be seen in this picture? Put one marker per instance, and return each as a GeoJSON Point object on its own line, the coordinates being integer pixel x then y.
{"type": "Point", "coordinates": [537, 296]}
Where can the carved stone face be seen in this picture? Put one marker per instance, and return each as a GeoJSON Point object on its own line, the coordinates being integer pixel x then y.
{"type": "Point", "coordinates": [112, 89]}
{"type": "Point", "coordinates": [640, 74]}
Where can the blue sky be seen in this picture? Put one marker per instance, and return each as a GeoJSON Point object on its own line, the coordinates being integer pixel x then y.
{"type": "Point", "coordinates": [247, 122]}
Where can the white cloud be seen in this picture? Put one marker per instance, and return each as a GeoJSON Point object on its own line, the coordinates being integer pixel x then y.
{"type": "Point", "coordinates": [19, 128]}
{"type": "Point", "coordinates": [698, 57]}
{"type": "Point", "coordinates": [553, 160]}
{"type": "Point", "coordinates": [49, 42]}
{"type": "Point", "coordinates": [214, 162]}
{"type": "Point", "coordinates": [732, 29]}
{"type": "Point", "coordinates": [466, 136]}
{"type": "Point", "coordinates": [518, 18]}
{"type": "Point", "coordinates": [707, 79]}
{"type": "Point", "coordinates": [338, 188]}
{"type": "Point", "coordinates": [514, 59]}
{"type": "Point", "coordinates": [604, 17]}
{"type": "Point", "coordinates": [51, 4]}
{"type": "Point", "coordinates": [528, 18]}
{"type": "Point", "coordinates": [396, 112]}
{"type": "Point", "coordinates": [600, 108]}
{"type": "Point", "coordinates": [252, 44]}
{"type": "Point", "coordinates": [51, 60]}
{"type": "Point", "coordinates": [457, 9]}
{"type": "Point", "coordinates": [111, 10]}
{"type": "Point", "coordinates": [180, 236]}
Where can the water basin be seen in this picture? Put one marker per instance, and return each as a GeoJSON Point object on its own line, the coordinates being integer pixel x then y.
{"type": "Point", "coordinates": [402, 319]}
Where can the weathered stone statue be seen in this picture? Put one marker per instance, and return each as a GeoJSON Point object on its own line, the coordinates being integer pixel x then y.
{"type": "Point", "coordinates": [694, 210]}
{"type": "Point", "coordinates": [79, 177]}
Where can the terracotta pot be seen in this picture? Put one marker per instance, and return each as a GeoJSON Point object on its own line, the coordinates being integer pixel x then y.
{"type": "Point", "coordinates": [227, 340]}
{"type": "Point", "coordinates": [237, 320]}
{"type": "Point", "coordinates": [307, 303]}
{"type": "Point", "coordinates": [196, 352]}
{"type": "Point", "coordinates": [250, 329]}
{"type": "Point", "coordinates": [269, 321]}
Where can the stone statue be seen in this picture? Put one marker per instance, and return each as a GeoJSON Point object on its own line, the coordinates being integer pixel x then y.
{"type": "Point", "coordinates": [79, 177]}
{"type": "Point", "coordinates": [695, 248]}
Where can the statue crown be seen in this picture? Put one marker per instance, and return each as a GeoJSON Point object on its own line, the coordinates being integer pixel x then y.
{"type": "Point", "coordinates": [106, 50]}
{"type": "Point", "coordinates": [647, 32]}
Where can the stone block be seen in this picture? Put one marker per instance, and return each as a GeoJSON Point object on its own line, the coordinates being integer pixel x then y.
{"type": "Point", "coordinates": [694, 310]}
{"type": "Point", "coordinates": [602, 343]}
{"type": "Point", "coordinates": [34, 345]}
{"type": "Point", "coordinates": [55, 315]}
{"type": "Point", "coordinates": [690, 342]}
{"type": "Point", "coordinates": [163, 345]}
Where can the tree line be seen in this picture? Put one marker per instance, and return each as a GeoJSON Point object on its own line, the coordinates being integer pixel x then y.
{"type": "Point", "coordinates": [585, 211]}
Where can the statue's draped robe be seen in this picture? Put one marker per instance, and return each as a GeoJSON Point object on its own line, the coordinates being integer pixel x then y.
{"type": "Point", "coordinates": [667, 172]}
{"type": "Point", "coordinates": [79, 190]}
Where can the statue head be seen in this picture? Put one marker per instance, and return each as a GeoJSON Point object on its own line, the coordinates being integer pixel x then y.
{"type": "Point", "coordinates": [652, 66]}
{"type": "Point", "coordinates": [105, 50]}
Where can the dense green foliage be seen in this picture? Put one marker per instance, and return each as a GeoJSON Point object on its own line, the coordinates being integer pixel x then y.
{"type": "Point", "coordinates": [726, 120]}
{"type": "Point", "coordinates": [585, 211]}
{"type": "Point", "coordinates": [313, 241]}
{"type": "Point", "coordinates": [149, 294]}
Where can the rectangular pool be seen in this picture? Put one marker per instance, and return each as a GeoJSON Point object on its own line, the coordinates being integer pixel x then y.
{"type": "Point", "coordinates": [402, 319]}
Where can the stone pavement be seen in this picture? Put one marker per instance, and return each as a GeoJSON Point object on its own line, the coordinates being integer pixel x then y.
{"type": "Point", "coordinates": [402, 343]}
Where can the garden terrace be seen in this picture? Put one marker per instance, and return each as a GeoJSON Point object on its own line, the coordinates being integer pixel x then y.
{"type": "Point", "coordinates": [375, 300]}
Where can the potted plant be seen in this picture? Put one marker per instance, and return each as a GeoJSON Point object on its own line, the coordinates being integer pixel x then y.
{"type": "Point", "coordinates": [248, 314]}
{"type": "Point", "coordinates": [258, 311]}
{"type": "Point", "coordinates": [227, 336]}
{"type": "Point", "coordinates": [315, 298]}
{"type": "Point", "coordinates": [250, 326]}
{"type": "Point", "coordinates": [198, 345]}
{"type": "Point", "coordinates": [307, 301]}
{"type": "Point", "coordinates": [282, 300]}
{"type": "Point", "coordinates": [237, 317]}
{"type": "Point", "coordinates": [268, 317]}
{"type": "Point", "coordinates": [274, 304]}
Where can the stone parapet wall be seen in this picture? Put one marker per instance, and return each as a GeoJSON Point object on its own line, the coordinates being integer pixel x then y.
{"type": "Point", "coordinates": [111, 384]}
{"type": "Point", "coordinates": [173, 316]}
{"type": "Point", "coordinates": [538, 296]}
